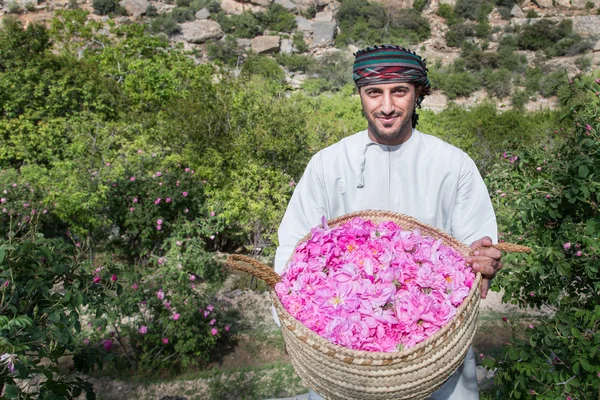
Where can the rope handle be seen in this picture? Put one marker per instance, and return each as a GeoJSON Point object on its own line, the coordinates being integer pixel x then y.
{"type": "Point", "coordinates": [506, 247]}
{"type": "Point", "coordinates": [253, 267]}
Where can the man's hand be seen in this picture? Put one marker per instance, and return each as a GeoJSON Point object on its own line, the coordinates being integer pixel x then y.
{"type": "Point", "coordinates": [486, 260]}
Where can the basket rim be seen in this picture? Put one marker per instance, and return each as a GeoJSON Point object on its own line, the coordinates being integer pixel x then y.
{"type": "Point", "coordinates": [473, 296]}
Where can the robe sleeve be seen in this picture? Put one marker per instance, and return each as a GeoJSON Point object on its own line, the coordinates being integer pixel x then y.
{"type": "Point", "coordinates": [304, 211]}
{"type": "Point", "coordinates": [473, 216]}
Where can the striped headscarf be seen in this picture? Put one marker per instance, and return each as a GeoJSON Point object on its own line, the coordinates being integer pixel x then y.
{"type": "Point", "coordinates": [390, 64]}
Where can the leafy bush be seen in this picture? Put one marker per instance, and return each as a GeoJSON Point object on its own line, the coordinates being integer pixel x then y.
{"type": "Point", "coordinates": [278, 19]}
{"type": "Point", "coordinates": [477, 60]}
{"type": "Point", "coordinates": [458, 33]}
{"type": "Point", "coordinates": [483, 29]}
{"type": "Point", "coordinates": [225, 51]}
{"type": "Point", "coordinates": [583, 63]}
{"type": "Point", "coordinates": [105, 7]}
{"type": "Point", "coordinates": [498, 82]}
{"type": "Point", "coordinates": [335, 68]}
{"type": "Point", "coordinates": [549, 205]}
{"type": "Point", "coordinates": [165, 23]}
{"type": "Point", "coordinates": [531, 13]}
{"type": "Point", "coordinates": [295, 62]}
{"type": "Point", "coordinates": [299, 43]}
{"type": "Point", "coordinates": [263, 66]}
{"type": "Point", "coordinates": [245, 25]}
{"type": "Point", "coordinates": [364, 23]}
{"type": "Point", "coordinates": [511, 60]}
{"type": "Point", "coordinates": [455, 84]}
{"type": "Point", "coordinates": [182, 14]}
{"type": "Point", "coordinates": [473, 10]}
{"type": "Point", "coordinates": [518, 99]}
{"type": "Point", "coordinates": [546, 35]}
{"type": "Point", "coordinates": [420, 5]}
{"type": "Point", "coordinates": [446, 11]}
{"type": "Point", "coordinates": [151, 11]}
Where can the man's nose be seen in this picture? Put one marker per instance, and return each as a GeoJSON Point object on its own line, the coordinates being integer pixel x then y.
{"type": "Point", "coordinates": [387, 104]}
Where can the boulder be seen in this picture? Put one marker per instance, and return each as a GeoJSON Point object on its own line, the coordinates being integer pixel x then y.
{"type": "Point", "coordinates": [232, 7]}
{"type": "Point", "coordinates": [201, 30]}
{"type": "Point", "coordinates": [265, 44]}
{"type": "Point", "coordinates": [287, 4]}
{"type": "Point", "coordinates": [324, 16]}
{"type": "Point", "coordinates": [286, 46]}
{"type": "Point", "coordinates": [323, 34]}
{"type": "Point", "coordinates": [203, 14]}
{"type": "Point", "coordinates": [244, 43]}
{"type": "Point", "coordinates": [516, 12]}
{"type": "Point", "coordinates": [303, 24]}
{"type": "Point", "coordinates": [597, 47]}
{"type": "Point", "coordinates": [564, 3]}
{"type": "Point", "coordinates": [303, 4]}
{"type": "Point", "coordinates": [544, 3]}
{"type": "Point", "coordinates": [135, 8]}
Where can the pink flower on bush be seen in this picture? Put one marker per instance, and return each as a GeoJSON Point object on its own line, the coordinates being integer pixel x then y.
{"type": "Point", "coordinates": [168, 199]}
{"type": "Point", "coordinates": [212, 213]}
{"type": "Point", "coordinates": [177, 183]}
{"type": "Point", "coordinates": [131, 209]}
{"type": "Point", "coordinates": [186, 210]}
{"type": "Point", "coordinates": [192, 277]}
{"type": "Point", "coordinates": [567, 245]}
{"type": "Point", "coordinates": [165, 340]}
{"type": "Point", "coordinates": [212, 237]}
{"type": "Point", "coordinates": [158, 227]}
{"type": "Point", "coordinates": [3, 200]}
{"type": "Point", "coordinates": [292, 183]}
{"type": "Point", "coordinates": [176, 317]}
{"type": "Point", "coordinates": [187, 170]}
{"type": "Point", "coordinates": [159, 221]}
{"type": "Point", "coordinates": [134, 286]}
{"type": "Point", "coordinates": [160, 294]}
{"type": "Point", "coordinates": [161, 260]}
{"type": "Point", "coordinates": [531, 294]}
{"type": "Point", "coordinates": [227, 328]}
{"type": "Point", "coordinates": [143, 329]}
{"type": "Point", "coordinates": [214, 331]}
{"type": "Point", "coordinates": [135, 199]}
{"type": "Point", "coordinates": [538, 168]}
{"type": "Point", "coordinates": [114, 278]}
{"type": "Point", "coordinates": [167, 305]}
{"type": "Point", "coordinates": [108, 164]}
{"type": "Point", "coordinates": [178, 243]}
{"type": "Point", "coordinates": [25, 205]}
{"type": "Point", "coordinates": [531, 326]}
{"type": "Point", "coordinates": [107, 344]}
{"type": "Point", "coordinates": [158, 173]}
{"type": "Point", "coordinates": [184, 194]}
{"type": "Point", "coordinates": [139, 151]}
{"type": "Point", "coordinates": [212, 321]}
{"type": "Point", "coordinates": [97, 279]}
{"type": "Point", "coordinates": [86, 341]}
{"type": "Point", "coordinates": [548, 196]}
{"type": "Point", "coordinates": [588, 127]}
{"type": "Point", "coordinates": [132, 179]}
{"type": "Point", "coordinates": [579, 253]}
{"type": "Point", "coordinates": [157, 201]}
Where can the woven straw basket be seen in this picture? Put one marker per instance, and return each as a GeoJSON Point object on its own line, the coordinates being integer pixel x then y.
{"type": "Point", "coordinates": [339, 373]}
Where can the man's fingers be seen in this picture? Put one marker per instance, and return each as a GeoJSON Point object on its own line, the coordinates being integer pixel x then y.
{"type": "Point", "coordinates": [486, 270]}
{"type": "Point", "coordinates": [485, 283]}
{"type": "Point", "coordinates": [485, 241]}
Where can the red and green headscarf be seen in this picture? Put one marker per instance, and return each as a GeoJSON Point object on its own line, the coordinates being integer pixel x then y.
{"type": "Point", "coordinates": [390, 64]}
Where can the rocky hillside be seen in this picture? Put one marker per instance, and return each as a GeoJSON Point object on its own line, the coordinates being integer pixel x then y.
{"type": "Point", "coordinates": [311, 28]}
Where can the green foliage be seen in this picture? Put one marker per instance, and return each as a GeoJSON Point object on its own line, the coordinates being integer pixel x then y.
{"type": "Point", "coordinates": [550, 205]}
{"type": "Point", "coordinates": [553, 38]}
{"type": "Point", "coordinates": [589, 5]}
{"type": "Point", "coordinates": [364, 23]}
{"type": "Point", "coordinates": [245, 25]}
{"type": "Point", "coordinates": [335, 68]}
{"type": "Point", "coordinates": [583, 63]}
{"type": "Point", "coordinates": [295, 62]}
{"type": "Point", "coordinates": [420, 5]}
{"type": "Point", "coordinates": [225, 51]}
{"type": "Point", "coordinates": [105, 7]}
{"type": "Point", "coordinates": [483, 29]}
{"type": "Point", "coordinates": [455, 84]}
{"type": "Point", "coordinates": [446, 11]}
{"type": "Point", "coordinates": [165, 23]}
{"type": "Point", "coordinates": [473, 10]}
{"type": "Point", "coordinates": [458, 33]}
{"type": "Point", "coordinates": [151, 11]}
{"type": "Point", "coordinates": [531, 13]}
{"type": "Point", "coordinates": [299, 42]}
{"type": "Point", "coordinates": [278, 19]}
{"type": "Point", "coordinates": [45, 285]}
{"type": "Point", "coordinates": [497, 82]}
{"type": "Point", "coordinates": [263, 66]}
{"type": "Point", "coordinates": [182, 14]}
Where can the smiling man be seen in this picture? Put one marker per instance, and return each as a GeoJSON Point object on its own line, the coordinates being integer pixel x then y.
{"type": "Point", "coordinates": [392, 166]}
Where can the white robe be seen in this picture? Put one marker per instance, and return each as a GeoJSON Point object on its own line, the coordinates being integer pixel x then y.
{"type": "Point", "coordinates": [425, 177]}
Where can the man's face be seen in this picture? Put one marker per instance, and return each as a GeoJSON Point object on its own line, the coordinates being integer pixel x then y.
{"type": "Point", "coordinates": [389, 108]}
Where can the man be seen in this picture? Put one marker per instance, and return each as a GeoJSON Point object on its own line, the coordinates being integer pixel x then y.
{"type": "Point", "coordinates": [392, 166]}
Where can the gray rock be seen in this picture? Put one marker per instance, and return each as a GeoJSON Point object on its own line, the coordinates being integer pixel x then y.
{"type": "Point", "coordinates": [287, 4]}
{"type": "Point", "coordinates": [265, 44]}
{"type": "Point", "coordinates": [232, 7]}
{"type": "Point", "coordinates": [517, 12]}
{"type": "Point", "coordinates": [135, 8]}
{"type": "Point", "coordinates": [203, 14]}
{"type": "Point", "coordinates": [303, 24]}
{"type": "Point", "coordinates": [286, 46]}
{"type": "Point", "coordinates": [303, 4]}
{"type": "Point", "coordinates": [564, 3]}
{"type": "Point", "coordinates": [324, 16]}
{"type": "Point", "coordinates": [244, 43]}
{"type": "Point", "coordinates": [544, 3]}
{"type": "Point", "coordinates": [597, 47]}
{"type": "Point", "coordinates": [324, 32]}
{"type": "Point", "coordinates": [450, 2]}
{"type": "Point", "coordinates": [201, 30]}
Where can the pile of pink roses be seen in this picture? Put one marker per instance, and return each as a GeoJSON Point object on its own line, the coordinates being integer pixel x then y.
{"type": "Point", "coordinates": [374, 287]}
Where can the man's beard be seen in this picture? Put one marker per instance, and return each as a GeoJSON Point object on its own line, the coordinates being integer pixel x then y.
{"type": "Point", "coordinates": [389, 136]}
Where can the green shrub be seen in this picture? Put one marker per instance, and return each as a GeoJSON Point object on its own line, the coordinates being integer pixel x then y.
{"type": "Point", "coordinates": [295, 62]}
{"type": "Point", "coordinates": [548, 204]}
{"type": "Point", "coordinates": [299, 42]}
{"type": "Point", "coordinates": [532, 79]}
{"type": "Point", "coordinates": [573, 46]}
{"type": "Point", "coordinates": [589, 5]}
{"type": "Point", "coordinates": [477, 60]}
{"type": "Point", "coordinates": [365, 23]}
{"type": "Point", "coordinates": [531, 13]}
{"type": "Point", "coordinates": [420, 5]}
{"type": "Point", "coordinates": [519, 98]}
{"type": "Point", "coordinates": [505, 13]}
{"type": "Point", "coordinates": [583, 63]}
{"type": "Point", "coordinates": [550, 83]}
{"type": "Point", "coordinates": [458, 33]}
{"type": "Point", "coordinates": [182, 14]}
{"type": "Point", "coordinates": [511, 60]}
{"type": "Point", "coordinates": [335, 68]}
{"type": "Point", "coordinates": [225, 51]}
{"type": "Point", "coordinates": [310, 12]}
{"type": "Point", "coordinates": [164, 23]}
{"type": "Point", "coordinates": [483, 29]}
{"type": "Point", "coordinates": [213, 6]}
{"type": "Point", "coordinates": [497, 82]}
{"type": "Point", "coordinates": [245, 25]}
{"type": "Point", "coordinates": [546, 35]}
{"type": "Point", "coordinates": [457, 84]}
{"type": "Point", "coordinates": [263, 66]}
{"type": "Point", "coordinates": [277, 19]}
{"type": "Point", "coordinates": [151, 11]}
{"type": "Point", "coordinates": [105, 7]}
{"type": "Point", "coordinates": [446, 11]}
{"type": "Point", "coordinates": [473, 9]}
{"type": "Point", "coordinates": [14, 8]}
